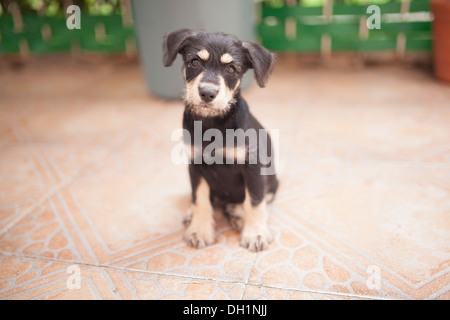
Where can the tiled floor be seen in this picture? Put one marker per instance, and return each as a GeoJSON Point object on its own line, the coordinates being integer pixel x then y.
{"type": "Point", "coordinates": [91, 204]}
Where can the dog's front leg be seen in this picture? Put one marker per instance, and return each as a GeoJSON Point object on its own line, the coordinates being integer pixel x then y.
{"type": "Point", "coordinates": [255, 235]}
{"type": "Point", "coordinates": [200, 231]}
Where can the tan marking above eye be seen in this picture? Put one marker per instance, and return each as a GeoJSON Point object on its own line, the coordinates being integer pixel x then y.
{"type": "Point", "coordinates": [203, 54]}
{"type": "Point", "coordinates": [226, 58]}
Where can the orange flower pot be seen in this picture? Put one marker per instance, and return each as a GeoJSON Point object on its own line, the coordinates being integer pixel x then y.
{"type": "Point", "coordinates": [441, 36]}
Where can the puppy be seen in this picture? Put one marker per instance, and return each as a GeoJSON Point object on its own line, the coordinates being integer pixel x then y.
{"type": "Point", "coordinates": [235, 180]}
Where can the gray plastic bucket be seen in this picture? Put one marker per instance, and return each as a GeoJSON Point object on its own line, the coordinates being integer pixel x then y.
{"type": "Point", "coordinates": [154, 18]}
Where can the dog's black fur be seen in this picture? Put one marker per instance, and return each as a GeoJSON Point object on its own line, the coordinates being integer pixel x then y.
{"type": "Point", "coordinates": [209, 58]}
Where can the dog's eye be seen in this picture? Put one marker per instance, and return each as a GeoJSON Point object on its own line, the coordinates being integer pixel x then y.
{"type": "Point", "coordinates": [195, 62]}
{"type": "Point", "coordinates": [231, 69]}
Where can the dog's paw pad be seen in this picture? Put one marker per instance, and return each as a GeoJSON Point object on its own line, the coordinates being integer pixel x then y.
{"type": "Point", "coordinates": [199, 238]}
{"type": "Point", "coordinates": [256, 240]}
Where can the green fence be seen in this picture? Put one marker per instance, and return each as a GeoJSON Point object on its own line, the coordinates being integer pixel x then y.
{"type": "Point", "coordinates": [30, 26]}
{"type": "Point", "coordinates": [50, 34]}
{"type": "Point", "coordinates": [285, 26]}
{"type": "Point", "coordinates": [291, 26]}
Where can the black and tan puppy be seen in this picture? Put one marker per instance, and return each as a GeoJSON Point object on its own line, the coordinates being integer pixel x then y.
{"type": "Point", "coordinates": [234, 177]}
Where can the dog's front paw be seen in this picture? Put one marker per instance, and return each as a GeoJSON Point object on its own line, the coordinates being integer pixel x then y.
{"type": "Point", "coordinates": [200, 237]}
{"type": "Point", "coordinates": [256, 238]}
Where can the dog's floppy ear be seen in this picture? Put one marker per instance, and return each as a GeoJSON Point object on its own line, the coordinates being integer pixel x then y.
{"type": "Point", "coordinates": [261, 60]}
{"type": "Point", "coordinates": [173, 43]}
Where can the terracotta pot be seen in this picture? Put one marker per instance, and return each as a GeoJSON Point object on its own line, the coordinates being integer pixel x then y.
{"type": "Point", "coordinates": [441, 36]}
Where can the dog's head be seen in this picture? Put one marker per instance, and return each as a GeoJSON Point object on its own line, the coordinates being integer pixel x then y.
{"type": "Point", "coordinates": [214, 64]}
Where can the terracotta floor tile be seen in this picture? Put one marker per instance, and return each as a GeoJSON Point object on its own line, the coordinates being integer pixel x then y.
{"type": "Point", "coordinates": [148, 286]}
{"type": "Point", "coordinates": [268, 293]}
{"type": "Point", "coordinates": [26, 278]}
{"type": "Point", "coordinates": [223, 261]}
{"type": "Point", "coordinates": [304, 264]}
{"type": "Point", "coordinates": [23, 178]}
{"type": "Point", "coordinates": [396, 213]}
{"type": "Point", "coordinates": [43, 280]}
{"type": "Point", "coordinates": [43, 233]}
{"type": "Point", "coordinates": [88, 185]}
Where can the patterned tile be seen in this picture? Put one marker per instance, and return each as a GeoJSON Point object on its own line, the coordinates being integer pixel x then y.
{"type": "Point", "coordinates": [297, 261]}
{"type": "Point", "coordinates": [34, 279]}
{"type": "Point", "coordinates": [270, 293]}
{"type": "Point", "coordinates": [24, 278]}
{"type": "Point", "coordinates": [20, 179]}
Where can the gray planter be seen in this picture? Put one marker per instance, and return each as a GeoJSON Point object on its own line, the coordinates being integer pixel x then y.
{"type": "Point", "coordinates": [154, 18]}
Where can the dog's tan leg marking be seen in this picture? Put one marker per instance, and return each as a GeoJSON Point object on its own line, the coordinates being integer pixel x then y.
{"type": "Point", "coordinates": [200, 232]}
{"type": "Point", "coordinates": [256, 235]}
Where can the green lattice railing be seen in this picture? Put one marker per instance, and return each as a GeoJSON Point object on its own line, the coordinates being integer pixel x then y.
{"type": "Point", "coordinates": [49, 34]}
{"type": "Point", "coordinates": [289, 26]}
{"type": "Point", "coordinates": [286, 25]}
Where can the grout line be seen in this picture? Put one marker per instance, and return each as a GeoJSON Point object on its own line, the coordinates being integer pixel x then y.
{"type": "Point", "coordinates": [322, 292]}
{"type": "Point", "coordinates": [118, 268]}
{"type": "Point", "coordinates": [247, 280]}
{"type": "Point", "coordinates": [39, 202]}
{"type": "Point", "coordinates": [191, 278]}
{"type": "Point", "coordinates": [436, 295]}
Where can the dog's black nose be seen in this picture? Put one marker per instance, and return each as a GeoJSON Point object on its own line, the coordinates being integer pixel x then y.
{"type": "Point", "coordinates": [208, 93]}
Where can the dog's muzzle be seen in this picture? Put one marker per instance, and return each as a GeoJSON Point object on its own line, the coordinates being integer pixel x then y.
{"type": "Point", "coordinates": [207, 93]}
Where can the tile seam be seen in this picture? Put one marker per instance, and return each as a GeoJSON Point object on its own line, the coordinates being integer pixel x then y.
{"type": "Point", "coordinates": [117, 268]}
{"type": "Point", "coordinates": [192, 278]}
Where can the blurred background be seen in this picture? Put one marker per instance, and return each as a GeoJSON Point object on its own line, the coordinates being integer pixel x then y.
{"type": "Point", "coordinates": [86, 177]}
{"type": "Point", "coordinates": [322, 28]}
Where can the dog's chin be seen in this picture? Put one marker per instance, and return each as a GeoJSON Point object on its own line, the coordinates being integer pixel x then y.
{"type": "Point", "coordinates": [208, 110]}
